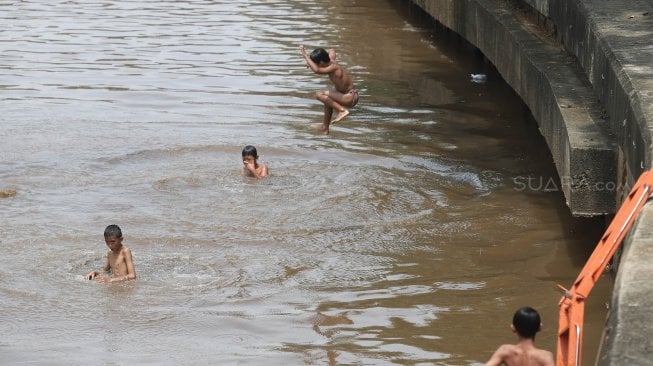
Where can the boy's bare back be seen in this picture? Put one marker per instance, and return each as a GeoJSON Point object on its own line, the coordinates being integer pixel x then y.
{"type": "Point", "coordinates": [525, 323]}
{"type": "Point", "coordinates": [521, 355]}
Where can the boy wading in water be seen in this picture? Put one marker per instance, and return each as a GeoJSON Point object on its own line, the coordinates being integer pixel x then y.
{"type": "Point", "coordinates": [526, 322]}
{"type": "Point", "coordinates": [119, 259]}
{"type": "Point", "coordinates": [322, 61]}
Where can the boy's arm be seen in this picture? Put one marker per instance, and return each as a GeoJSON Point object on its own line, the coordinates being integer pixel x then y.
{"type": "Point", "coordinates": [313, 66]}
{"type": "Point", "coordinates": [131, 271]}
{"type": "Point", "coordinates": [105, 268]}
{"type": "Point", "coordinates": [497, 357]}
{"type": "Point", "coordinates": [332, 54]}
{"type": "Point", "coordinates": [252, 169]}
{"type": "Point", "coordinates": [547, 358]}
{"type": "Point", "coordinates": [107, 265]}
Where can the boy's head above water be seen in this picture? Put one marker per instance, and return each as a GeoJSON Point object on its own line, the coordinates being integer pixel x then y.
{"type": "Point", "coordinates": [251, 166]}
{"type": "Point", "coordinates": [320, 55]}
{"type": "Point", "coordinates": [113, 237]}
{"type": "Point", "coordinates": [526, 322]}
{"type": "Point", "coordinates": [112, 230]}
{"type": "Point", "coordinates": [250, 150]}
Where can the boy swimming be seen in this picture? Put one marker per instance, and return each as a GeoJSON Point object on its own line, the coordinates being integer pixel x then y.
{"type": "Point", "coordinates": [119, 259]}
{"type": "Point", "coordinates": [345, 94]}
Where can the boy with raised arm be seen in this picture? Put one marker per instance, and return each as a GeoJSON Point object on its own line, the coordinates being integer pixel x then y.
{"type": "Point", "coordinates": [526, 322]}
{"type": "Point", "coordinates": [119, 259]}
{"type": "Point", "coordinates": [322, 61]}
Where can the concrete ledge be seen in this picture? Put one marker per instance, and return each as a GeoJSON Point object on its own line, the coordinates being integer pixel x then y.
{"type": "Point", "coordinates": [551, 84]}
{"type": "Point", "coordinates": [613, 42]}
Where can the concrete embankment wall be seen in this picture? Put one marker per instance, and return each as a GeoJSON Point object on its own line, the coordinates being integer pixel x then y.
{"type": "Point", "coordinates": [613, 42]}
{"type": "Point", "coordinates": [585, 70]}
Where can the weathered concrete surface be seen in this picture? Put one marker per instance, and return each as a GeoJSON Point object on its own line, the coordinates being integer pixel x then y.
{"type": "Point", "coordinates": [541, 6]}
{"type": "Point", "coordinates": [612, 41]}
{"type": "Point", "coordinates": [552, 84]}
{"type": "Point", "coordinates": [629, 332]}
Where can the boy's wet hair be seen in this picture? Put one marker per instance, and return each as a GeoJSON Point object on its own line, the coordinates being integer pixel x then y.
{"type": "Point", "coordinates": [320, 55]}
{"type": "Point", "coordinates": [526, 322]}
{"type": "Point", "coordinates": [113, 230]}
{"type": "Point", "coordinates": [250, 150]}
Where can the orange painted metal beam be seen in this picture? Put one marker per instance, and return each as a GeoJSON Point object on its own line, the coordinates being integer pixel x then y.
{"type": "Point", "coordinates": [572, 304]}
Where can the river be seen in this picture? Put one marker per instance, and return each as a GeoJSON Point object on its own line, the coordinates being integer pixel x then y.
{"type": "Point", "coordinates": [408, 236]}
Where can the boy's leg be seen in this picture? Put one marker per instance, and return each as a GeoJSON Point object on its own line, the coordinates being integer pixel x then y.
{"type": "Point", "coordinates": [338, 101]}
{"type": "Point", "coordinates": [323, 96]}
{"type": "Point", "coordinates": [324, 126]}
{"type": "Point", "coordinates": [328, 112]}
{"type": "Point", "coordinates": [340, 116]}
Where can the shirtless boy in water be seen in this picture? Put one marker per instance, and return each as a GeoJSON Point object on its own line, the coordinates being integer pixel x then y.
{"type": "Point", "coordinates": [525, 322]}
{"type": "Point", "coordinates": [119, 259]}
{"type": "Point", "coordinates": [251, 166]}
{"type": "Point", "coordinates": [322, 61]}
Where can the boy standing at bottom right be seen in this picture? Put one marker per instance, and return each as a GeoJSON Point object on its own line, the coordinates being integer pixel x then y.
{"type": "Point", "coordinates": [526, 323]}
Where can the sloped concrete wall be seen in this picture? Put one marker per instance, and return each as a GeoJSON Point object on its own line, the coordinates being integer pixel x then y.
{"type": "Point", "coordinates": [552, 85]}
{"type": "Point", "coordinates": [608, 52]}
{"type": "Point", "coordinates": [613, 41]}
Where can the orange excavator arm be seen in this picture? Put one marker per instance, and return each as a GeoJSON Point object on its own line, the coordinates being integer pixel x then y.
{"type": "Point", "coordinates": [572, 303]}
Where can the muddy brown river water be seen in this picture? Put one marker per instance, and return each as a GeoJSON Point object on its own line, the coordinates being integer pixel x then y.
{"type": "Point", "coordinates": [408, 236]}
